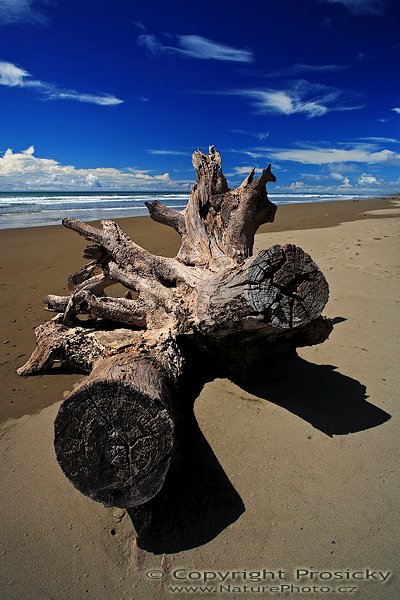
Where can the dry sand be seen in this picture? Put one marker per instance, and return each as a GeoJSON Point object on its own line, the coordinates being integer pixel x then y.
{"type": "Point", "coordinates": [303, 469]}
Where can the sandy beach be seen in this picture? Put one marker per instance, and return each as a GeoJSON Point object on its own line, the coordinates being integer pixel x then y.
{"type": "Point", "coordinates": [303, 467]}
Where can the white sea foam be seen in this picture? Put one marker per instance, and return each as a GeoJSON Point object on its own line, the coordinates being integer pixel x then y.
{"type": "Point", "coordinates": [29, 209]}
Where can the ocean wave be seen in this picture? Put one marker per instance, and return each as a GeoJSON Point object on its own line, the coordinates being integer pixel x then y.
{"type": "Point", "coordinates": [320, 196]}
{"type": "Point", "coordinates": [25, 210]}
{"type": "Point", "coordinates": [60, 200]}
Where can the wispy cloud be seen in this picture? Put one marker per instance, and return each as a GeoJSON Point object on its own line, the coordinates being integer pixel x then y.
{"type": "Point", "coordinates": [323, 177]}
{"type": "Point", "coordinates": [361, 7]}
{"type": "Point", "coordinates": [383, 140]}
{"type": "Point", "coordinates": [358, 153]}
{"type": "Point", "coordinates": [245, 170]}
{"type": "Point", "coordinates": [139, 25]}
{"type": "Point", "coordinates": [327, 22]}
{"type": "Point", "coordinates": [24, 170]}
{"type": "Point", "coordinates": [238, 173]}
{"type": "Point", "coordinates": [162, 152]}
{"type": "Point", "coordinates": [13, 76]}
{"type": "Point", "coordinates": [303, 97]}
{"type": "Point", "coordinates": [246, 152]}
{"type": "Point", "coordinates": [259, 135]}
{"type": "Point", "coordinates": [361, 56]}
{"type": "Point", "coordinates": [196, 46]}
{"type": "Point", "coordinates": [103, 100]}
{"type": "Point", "coordinates": [300, 69]}
{"type": "Point", "coordinates": [15, 11]}
{"type": "Point", "coordinates": [396, 110]}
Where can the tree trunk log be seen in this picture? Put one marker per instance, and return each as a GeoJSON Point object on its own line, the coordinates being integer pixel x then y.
{"type": "Point", "coordinates": [281, 286]}
{"type": "Point", "coordinates": [115, 433]}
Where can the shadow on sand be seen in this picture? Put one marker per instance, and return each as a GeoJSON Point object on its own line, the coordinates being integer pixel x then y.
{"type": "Point", "coordinates": [333, 403]}
{"type": "Point", "coordinates": [198, 501]}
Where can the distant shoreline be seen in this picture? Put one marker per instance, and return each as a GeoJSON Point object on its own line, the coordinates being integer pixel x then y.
{"type": "Point", "coordinates": [20, 210]}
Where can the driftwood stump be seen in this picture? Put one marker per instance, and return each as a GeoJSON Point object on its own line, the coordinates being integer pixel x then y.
{"type": "Point", "coordinates": [115, 433]}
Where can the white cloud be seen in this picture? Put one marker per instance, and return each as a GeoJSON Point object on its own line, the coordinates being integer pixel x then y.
{"type": "Point", "coordinates": [323, 177]}
{"type": "Point", "coordinates": [203, 48]}
{"type": "Point", "coordinates": [361, 7]}
{"type": "Point", "coordinates": [279, 101]}
{"type": "Point", "coordinates": [296, 185]}
{"type": "Point", "coordinates": [196, 46]}
{"type": "Point", "coordinates": [313, 100]}
{"type": "Point", "coordinates": [346, 187]}
{"type": "Point", "coordinates": [151, 43]}
{"type": "Point", "coordinates": [21, 170]}
{"type": "Point", "coordinates": [104, 100]}
{"type": "Point", "coordinates": [337, 176]}
{"type": "Point", "coordinates": [14, 11]}
{"type": "Point", "coordinates": [246, 152]}
{"type": "Point", "coordinates": [396, 110]}
{"type": "Point", "coordinates": [299, 69]}
{"type": "Point", "coordinates": [366, 179]}
{"type": "Point", "coordinates": [13, 76]}
{"type": "Point", "coordinates": [93, 181]}
{"type": "Point", "coordinates": [320, 156]}
{"type": "Point", "coordinates": [314, 176]}
{"type": "Point", "coordinates": [28, 152]}
{"type": "Point", "coordinates": [383, 140]}
{"type": "Point", "coordinates": [245, 170]}
{"type": "Point", "coordinates": [345, 167]}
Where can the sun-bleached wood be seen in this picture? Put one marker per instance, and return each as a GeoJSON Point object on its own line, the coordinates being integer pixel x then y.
{"type": "Point", "coordinates": [115, 432]}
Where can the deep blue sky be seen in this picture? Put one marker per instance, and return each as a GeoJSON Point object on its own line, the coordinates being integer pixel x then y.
{"type": "Point", "coordinates": [117, 95]}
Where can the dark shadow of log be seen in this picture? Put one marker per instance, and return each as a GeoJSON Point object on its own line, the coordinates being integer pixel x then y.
{"type": "Point", "coordinates": [196, 503]}
{"type": "Point", "coordinates": [197, 500]}
{"type": "Point", "coordinates": [330, 401]}
{"type": "Point", "coordinates": [337, 320]}
{"type": "Point", "coordinates": [63, 369]}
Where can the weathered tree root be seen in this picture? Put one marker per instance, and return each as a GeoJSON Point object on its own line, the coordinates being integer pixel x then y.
{"type": "Point", "coordinates": [115, 433]}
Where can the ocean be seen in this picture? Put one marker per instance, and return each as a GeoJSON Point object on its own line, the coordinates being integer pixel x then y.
{"type": "Point", "coordinates": [35, 209]}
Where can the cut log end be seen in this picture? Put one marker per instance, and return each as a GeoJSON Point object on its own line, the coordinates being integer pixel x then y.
{"type": "Point", "coordinates": [114, 435]}
{"type": "Point", "coordinates": [281, 286]}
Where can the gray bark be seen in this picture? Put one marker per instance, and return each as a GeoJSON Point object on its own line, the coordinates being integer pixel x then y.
{"type": "Point", "coordinates": [115, 433]}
